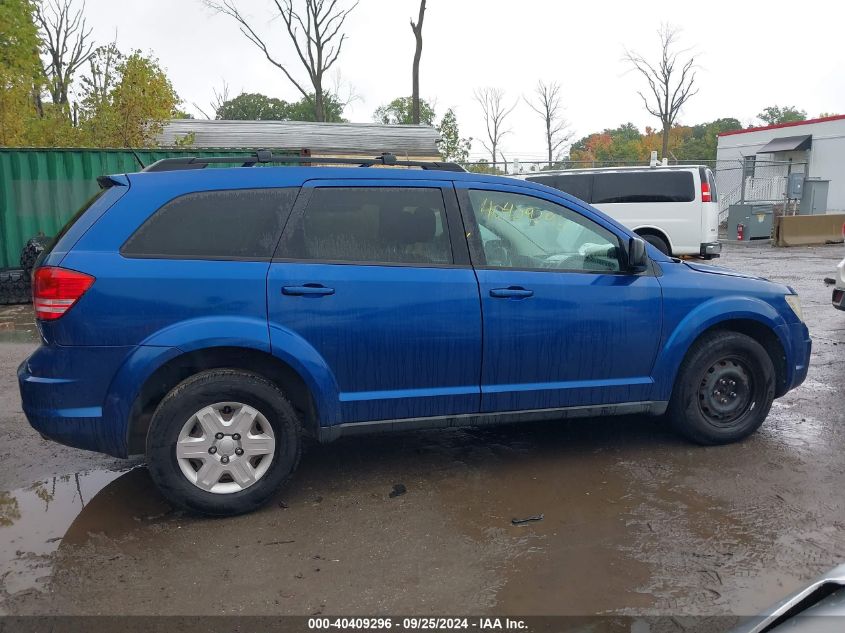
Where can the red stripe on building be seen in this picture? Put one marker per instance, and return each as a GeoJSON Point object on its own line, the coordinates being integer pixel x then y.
{"type": "Point", "coordinates": [823, 119]}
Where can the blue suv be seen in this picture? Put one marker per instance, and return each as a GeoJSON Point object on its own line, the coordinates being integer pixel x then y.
{"type": "Point", "coordinates": [213, 318]}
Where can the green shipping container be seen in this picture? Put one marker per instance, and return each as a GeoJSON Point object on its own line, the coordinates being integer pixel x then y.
{"type": "Point", "coordinates": [40, 189]}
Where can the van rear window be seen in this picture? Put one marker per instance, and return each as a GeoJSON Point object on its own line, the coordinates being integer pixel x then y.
{"type": "Point", "coordinates": [577, 185]}
{"type": "Point", "coordinates": [642, 186]}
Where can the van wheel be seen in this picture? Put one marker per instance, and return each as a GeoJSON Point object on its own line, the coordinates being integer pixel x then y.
{"type": "Point", "coordinates": [222, 442]}
{"type": "Point", "coordinates": [658, 242]}
{"type": "Point", "coordinates": [724, 389]}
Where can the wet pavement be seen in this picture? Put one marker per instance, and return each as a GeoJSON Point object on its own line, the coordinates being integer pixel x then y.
{"type": "Point", "coordinates": [635, 520]}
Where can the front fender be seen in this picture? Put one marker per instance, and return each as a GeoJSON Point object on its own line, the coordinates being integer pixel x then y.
{"type": "Point", "coordinates": [685, 332]}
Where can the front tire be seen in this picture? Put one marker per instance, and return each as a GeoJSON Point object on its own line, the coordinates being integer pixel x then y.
{"type": "Point", "coordinates": [724, 389]}
{"type": "Point", "coordinates": [222, 442]}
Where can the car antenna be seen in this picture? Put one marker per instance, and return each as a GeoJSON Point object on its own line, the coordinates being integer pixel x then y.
{"type": "Point", "coordinates": [138, 158]}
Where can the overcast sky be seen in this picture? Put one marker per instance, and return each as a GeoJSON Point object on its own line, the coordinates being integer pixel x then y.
{"type": "Point", "coordinates": [751, 54]}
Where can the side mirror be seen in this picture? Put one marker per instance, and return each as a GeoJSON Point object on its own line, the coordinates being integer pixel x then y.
{"type": "Point", "coordinates": [637, 256]}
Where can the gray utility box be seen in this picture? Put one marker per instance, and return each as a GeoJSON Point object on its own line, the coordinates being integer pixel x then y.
{"type": "Point", "coordinates": [814, 197]}
{"type": "Point", "coordinates": [755, 218]}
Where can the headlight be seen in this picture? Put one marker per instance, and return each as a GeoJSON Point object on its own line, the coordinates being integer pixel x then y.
{"type": "Point", "coordinates": [794, 302]}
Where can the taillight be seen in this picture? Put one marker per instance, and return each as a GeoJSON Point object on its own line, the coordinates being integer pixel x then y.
{"type": "Point", "coordinates": [55, 290]}
{"type": "Point", "coordinates": [705, 192]}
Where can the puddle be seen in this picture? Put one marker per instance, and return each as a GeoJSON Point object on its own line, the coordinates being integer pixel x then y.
{"type": "Point", "coordinates": [35, 521]}
{"type": "Point", "coordinates": [17, 325]}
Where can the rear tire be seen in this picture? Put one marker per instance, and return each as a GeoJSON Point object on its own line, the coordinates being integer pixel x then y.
{"type": "Point", "coordinates": [658, 242]}
{"type": "Point", "coordinates": [724, 389]}
{"type": "Point", "coordinates": [241, 481]}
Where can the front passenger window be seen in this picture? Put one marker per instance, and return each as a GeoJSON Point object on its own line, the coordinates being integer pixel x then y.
{"type": "Point", "coordinates": [518, 231]}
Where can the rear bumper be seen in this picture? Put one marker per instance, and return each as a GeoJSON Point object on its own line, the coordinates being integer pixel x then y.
{"type": "Point", "coordinates": [710, 249]}
{"type": "Point", "coordinates": [62, 393]}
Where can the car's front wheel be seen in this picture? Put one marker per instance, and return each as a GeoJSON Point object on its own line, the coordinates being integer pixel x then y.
{"type": "Point", "coordinates": [724, 389]}
{"type": "Point", "coordinates": [222, 442]}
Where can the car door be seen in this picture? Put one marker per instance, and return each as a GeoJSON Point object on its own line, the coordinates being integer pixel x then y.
{"type": "Point", "coordinates": [368, 273]}
{"type": "Point", "coordinates": [564, 325]}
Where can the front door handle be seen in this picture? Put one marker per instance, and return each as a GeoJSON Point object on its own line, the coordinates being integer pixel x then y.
{"type": "Point", "coordinates": [311, 290]}
{"type": "Point", "coordinates": [513, 292]}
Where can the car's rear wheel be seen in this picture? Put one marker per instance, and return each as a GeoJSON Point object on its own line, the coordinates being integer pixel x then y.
{"type": "Point", "coordinates": [658, 242]}
{"type": "Point", "coordinates": [222, 442]}
{"type": "Point", "coordinates": [724, 389]}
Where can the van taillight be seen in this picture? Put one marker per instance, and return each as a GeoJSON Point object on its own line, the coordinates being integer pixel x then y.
{"type": "Point", "coordinates": [55, 290]}
{"type": "Point", "coordinates": [705, 192]}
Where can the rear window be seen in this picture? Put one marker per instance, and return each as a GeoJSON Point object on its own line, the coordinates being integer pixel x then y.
{"type": "Point", "coordinates": [651, 186]}
{"type": "Point", "coordinates": [231, 224]}
{"type": "Point", "coordinates": [390, 225]}
{"type": "Point", "coordinates": [577, 185]}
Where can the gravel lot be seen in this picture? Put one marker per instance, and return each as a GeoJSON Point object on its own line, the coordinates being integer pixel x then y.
{"type": "Point", "coordinates": [635, 519]}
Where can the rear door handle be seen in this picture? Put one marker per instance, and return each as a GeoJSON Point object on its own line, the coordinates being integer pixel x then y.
{"type": "Point", "coordinates": [515, 292]}
{"type": "Point", "coordinates": [311, 290]}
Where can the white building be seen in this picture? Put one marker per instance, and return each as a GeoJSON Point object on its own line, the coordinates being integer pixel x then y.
{"type": "Point", "coordinates": [816, 147]}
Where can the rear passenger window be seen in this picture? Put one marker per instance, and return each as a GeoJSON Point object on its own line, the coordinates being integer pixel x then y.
{"type": "Point", "coordinates": [231, 224]}
{"type": "Point", "coordinates": [652, 186]}
{"type": "Point", "coordinates": [372, 225]}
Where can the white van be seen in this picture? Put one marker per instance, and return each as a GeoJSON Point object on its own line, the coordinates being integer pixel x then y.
{"type": "Point", "coordinates": [673, 208]}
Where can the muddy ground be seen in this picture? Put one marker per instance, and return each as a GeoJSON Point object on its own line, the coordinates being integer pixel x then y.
{"type": "Point", "coordinates": [635, 519]}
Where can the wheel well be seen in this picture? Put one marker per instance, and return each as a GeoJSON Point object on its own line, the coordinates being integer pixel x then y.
{"type": "Point", "coordinates": [655, 232]}
{"type": "Point", "coordinates": [178, 369]}
{"type": "Point", "coordinates": [766, 337]}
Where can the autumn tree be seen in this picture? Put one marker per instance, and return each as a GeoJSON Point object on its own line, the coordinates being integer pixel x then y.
{"type": "Point", "coordinates": [774, 115]}
{"type": "Point", "coordinates": [453, 147]}
{"type": "Point", "coordinates": [314, 27]}
{"type": "Point", "coordinates": [547, 104]}
{"type": "Point", "coordinates": [66, 46]}
{"type": "Point", "coordinates": [670, 81]}
{"type": "Point", "coordinates": [400, 111]}
{"type": "Point", "coordinates": [135, 109]}
{"type": "Point", "coordinates": [415, 72]}
{"type": "Point", "coordinates": [20, 68]}
{"type": "Point", "coordinates": [495, 111]}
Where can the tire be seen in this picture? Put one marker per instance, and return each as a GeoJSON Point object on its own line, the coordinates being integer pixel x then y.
{"type": "Point", "coordinates": [724, 389]}
{"type": "Point", "coordinates": [197, 394]}
{"type": "Point", "coordinates": [14, 287]}
{"type": "Point", "coordinates": [658, 242]}
{"type": "Point", "coordinates": [32, 251]}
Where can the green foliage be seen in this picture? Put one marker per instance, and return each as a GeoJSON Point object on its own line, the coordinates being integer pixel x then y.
{"type": "Point", "coordinates": [133, 112]}
{"type": "Point", "coordinates": [774, 115]}
{"type": "Point", "coordinates": [398, 112]}
{"type": "Point", "coordinates": [303, 110]}
{"type": "Point", "coordinates": [453, 148]}
{"type": "Point", "coordinates": [251, 106]}
{"type": "Point", "coordinates": [704, 138]}
{"type": "Point", "coordinates": [20, 69]}
{"type": "Point", "coordinates": [259, 107]}
{"type": "Point", "coordinates": [483, 166]}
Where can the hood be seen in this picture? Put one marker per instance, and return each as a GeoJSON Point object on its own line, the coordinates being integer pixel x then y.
{"type": "Point", "coordinates": [719, 270]}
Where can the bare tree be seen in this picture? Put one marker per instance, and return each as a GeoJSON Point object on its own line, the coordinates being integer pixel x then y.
{"type": "Point", "coordinates": [671, 81]}
{"type": "Point", "coordinates": [548, 105]}
{"type": "Point", "coordinates": [415, 88]}
{"type": "Point", "coordinates": [314, 28]}
{"type": "Point", "coordinates": [218, 98]}
{"type": "Point", "coordinates": [492, 102]}
{"type": "Point", "coordinates": [66, 43]}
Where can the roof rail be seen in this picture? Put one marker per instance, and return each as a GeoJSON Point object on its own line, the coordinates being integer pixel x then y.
{"type": "Point", "coordinates": [266, 156]}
